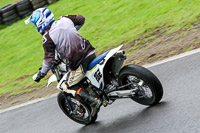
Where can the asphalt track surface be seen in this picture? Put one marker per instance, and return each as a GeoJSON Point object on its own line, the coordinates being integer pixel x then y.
{"type": "Point", "coordinates": [178, 111]}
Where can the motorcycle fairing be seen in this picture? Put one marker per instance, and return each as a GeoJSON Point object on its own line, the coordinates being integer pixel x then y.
{"type": "Point", "coordinates": [51, 79]}
{"type": "Point", "coordinates": [95, 75]}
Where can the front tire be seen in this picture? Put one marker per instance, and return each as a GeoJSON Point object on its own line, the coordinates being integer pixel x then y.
{"type": "Point", "coordinates": [83, 111]}
{"type": "Point", "coordinates": [145, 80]}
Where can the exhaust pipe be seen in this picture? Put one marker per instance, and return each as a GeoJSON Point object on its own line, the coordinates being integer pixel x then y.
{"type": "Point", "coordinates": [122, 93]}
{"type": "Point", "coordinates": [118, 61]}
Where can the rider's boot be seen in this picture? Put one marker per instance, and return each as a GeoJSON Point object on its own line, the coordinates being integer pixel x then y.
{"type": "Point", "coordinates": [95, 103]}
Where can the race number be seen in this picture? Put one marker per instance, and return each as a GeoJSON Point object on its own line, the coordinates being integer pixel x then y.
{"type": "Point", "coordinates": [97, 75]}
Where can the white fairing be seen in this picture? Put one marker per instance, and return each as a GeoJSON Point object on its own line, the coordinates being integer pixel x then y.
{"type": "Point", "coordinates": [62, 67]}
{"type": "Point", "coordinates": [51, 79]}
{"type": "Point", "coordinates": [95, 75]}
{"type": "Point", "coordinates": [59, 86]}
{"type": "Point", "coordinates": [54, 78]}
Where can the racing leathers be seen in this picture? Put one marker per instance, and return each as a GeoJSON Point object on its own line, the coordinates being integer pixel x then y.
{"type": "Point", "coordinates": [71, 46]}
{"type": "Point", "coordinates": [64, 38]}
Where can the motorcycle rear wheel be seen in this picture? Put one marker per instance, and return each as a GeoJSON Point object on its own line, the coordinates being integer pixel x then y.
{"type": "Point", "coordinates": [150, 90]}
{"type": "Point", "coordinates": [83, 114]}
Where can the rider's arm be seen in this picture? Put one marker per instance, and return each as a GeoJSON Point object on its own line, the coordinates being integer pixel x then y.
{"type": "Point", "coordinates": [49, 53]}
{"type": "Point", "coordinates": [78, 20]}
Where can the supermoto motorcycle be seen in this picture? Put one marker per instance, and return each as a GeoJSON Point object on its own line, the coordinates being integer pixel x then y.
{"type": "Point", "coordinates": [107, 80]}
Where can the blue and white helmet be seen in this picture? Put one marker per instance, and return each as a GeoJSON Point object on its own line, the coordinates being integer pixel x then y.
{"type": "Point", "coordinates": [41, 18]}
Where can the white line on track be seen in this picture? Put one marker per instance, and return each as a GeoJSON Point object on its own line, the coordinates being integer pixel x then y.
{"type": "Point", "coordinates": [147, 65]}
{"type": "Point", "coordinates": [27, 103]}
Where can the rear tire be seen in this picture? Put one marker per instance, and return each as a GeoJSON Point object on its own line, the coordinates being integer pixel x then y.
{"type": "Point", "coordinates": [9, 13]}
{"type": "Point", "coordinates": [8, 7]}
{"type": "Point", "coordinates": [85, 108]}
{"type": "Point", "coordinates": [146, 80]}
{"type": "Point", "coordinates": [11, 17]}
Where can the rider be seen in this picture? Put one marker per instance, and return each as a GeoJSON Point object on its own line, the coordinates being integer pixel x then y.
{"type": "Point", "coordinates": [62, 36]}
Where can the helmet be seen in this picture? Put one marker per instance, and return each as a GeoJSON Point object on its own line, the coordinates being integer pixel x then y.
{"type": "Point", "coordinates": [41, 18]}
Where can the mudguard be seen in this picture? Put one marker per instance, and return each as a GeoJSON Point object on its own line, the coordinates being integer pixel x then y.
{"type": "Point", "coordinates": [51, 79]}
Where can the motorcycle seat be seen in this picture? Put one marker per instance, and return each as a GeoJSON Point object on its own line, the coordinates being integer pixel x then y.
{"type": "Point", "coordinates": [97, 60]}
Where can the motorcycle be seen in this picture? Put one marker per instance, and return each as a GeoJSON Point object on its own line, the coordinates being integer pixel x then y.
{"type": "Point", "coordinates": [109, 81]}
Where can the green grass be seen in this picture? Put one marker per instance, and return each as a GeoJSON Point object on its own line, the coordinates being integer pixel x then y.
{"type": "Point", "coordinates": [188, 49]}
{"type": "Point", "coordinates": [108, 24]}
{"type": "Point", "coordinates": [5, 2]}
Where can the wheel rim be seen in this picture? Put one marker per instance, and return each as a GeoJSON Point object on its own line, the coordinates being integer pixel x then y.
{"type": "Point", "coordinates": [80, 111]}
{"type": "Point", "coordinates": [143, 91]}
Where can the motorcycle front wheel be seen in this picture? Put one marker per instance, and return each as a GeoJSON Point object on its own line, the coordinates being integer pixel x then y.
{"type": "Point", "coordinates": [81, 111]}
{"type": "Point", "coordinates": [147, 87]}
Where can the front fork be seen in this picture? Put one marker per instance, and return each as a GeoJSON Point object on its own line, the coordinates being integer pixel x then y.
{"type": "Point", "coordinates": [68, 103]}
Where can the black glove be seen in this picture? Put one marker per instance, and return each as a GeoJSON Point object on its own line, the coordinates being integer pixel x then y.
{"type": "Point", "coordinates": [38, 76]}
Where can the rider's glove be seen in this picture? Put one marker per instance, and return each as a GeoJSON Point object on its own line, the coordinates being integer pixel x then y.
{"type": "Point", "coordinates": [38, 76]}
